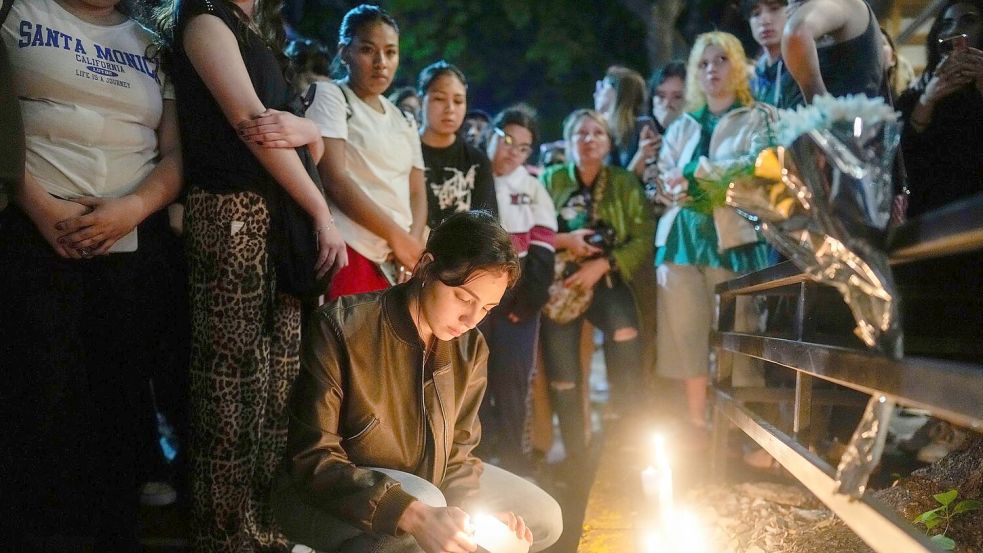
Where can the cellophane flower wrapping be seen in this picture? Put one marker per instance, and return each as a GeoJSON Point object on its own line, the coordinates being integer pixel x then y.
{"type": "Point", "coordinates": [822, 197]}
{"type": "Point", "coordinates": [863, 453]}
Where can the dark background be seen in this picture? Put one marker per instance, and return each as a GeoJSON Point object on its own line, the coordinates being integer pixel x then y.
{"type": "Point", "coordinates": [547, 53]}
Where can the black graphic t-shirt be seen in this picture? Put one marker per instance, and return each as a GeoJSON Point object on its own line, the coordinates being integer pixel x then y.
{"type": "Point", "coordinates": [458, 178]}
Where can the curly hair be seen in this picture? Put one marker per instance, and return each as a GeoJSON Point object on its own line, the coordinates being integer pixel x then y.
{"type": "Point", "coordinates": [695, 97]}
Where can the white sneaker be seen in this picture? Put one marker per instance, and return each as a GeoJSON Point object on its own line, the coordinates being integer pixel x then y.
{"type": "Point", "coordinates": [301, 548]}
{"type": "Point", "coordinates": [157, 494]}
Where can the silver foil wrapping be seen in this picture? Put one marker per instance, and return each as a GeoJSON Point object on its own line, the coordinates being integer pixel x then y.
{"type": "Point", "coordinates": [824, 202]}
{"type": "Point", "coordinates": [863, 453]}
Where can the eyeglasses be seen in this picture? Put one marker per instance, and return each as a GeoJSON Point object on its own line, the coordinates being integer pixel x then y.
{"type": "Point", "coordinates": [509, 141]}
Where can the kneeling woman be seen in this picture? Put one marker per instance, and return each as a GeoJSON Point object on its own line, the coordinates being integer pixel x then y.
{"type": "Point", "coordinates": [384, 416]}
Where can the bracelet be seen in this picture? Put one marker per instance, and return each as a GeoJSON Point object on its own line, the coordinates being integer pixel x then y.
{"type": "Point", "coordinates": [328, 226]}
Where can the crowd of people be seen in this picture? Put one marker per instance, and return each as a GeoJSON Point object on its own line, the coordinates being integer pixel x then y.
{"type": "Point", "coordinates": [161, 188]}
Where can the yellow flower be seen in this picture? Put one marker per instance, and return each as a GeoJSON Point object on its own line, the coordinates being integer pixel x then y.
{"type": "Point", "coordinates": [767, 165]}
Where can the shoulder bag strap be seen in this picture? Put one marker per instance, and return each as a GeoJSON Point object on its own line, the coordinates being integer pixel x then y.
{"type": "Point", "coordinates": [348, 101]}
{"type": "Point", "coordinates": [5, 10]}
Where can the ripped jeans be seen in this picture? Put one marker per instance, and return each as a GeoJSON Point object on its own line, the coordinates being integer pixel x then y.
{"type": "Point", "coordinates": [613, 312]}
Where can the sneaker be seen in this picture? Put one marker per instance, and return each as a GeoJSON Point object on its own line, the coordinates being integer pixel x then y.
{"type": "Point", "coordinates": [945, 439]}
{"type": "Point", "coordinates": [301, 548]}
{"type": "Point", "coordinates": [157, 494]}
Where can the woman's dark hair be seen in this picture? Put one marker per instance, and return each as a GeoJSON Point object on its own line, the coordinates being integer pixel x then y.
{"type": "Point", "coordinates": [747, 6]}
{"type": "Point", "coordinates": [467, 242]}
{"type": "Point", "coordinates": [675, 68]}
{"type": "Point", "coordinates": [309, 56]}
{"type": "Point", "coordinates": [434, 71]}
{"type": "Point", "coordinates": [401, 94]}
{"type": "Point", "coordinates": [267, 20]}
{"type": "Point", "coordinates": [521, 115]}
{"type": "Point", "coordinates": [355, 21]}
{"type": "Point", "coordinates": [933, 53]}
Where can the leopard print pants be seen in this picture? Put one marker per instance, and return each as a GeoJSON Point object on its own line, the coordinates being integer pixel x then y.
{"type": "Point", "coordinates": [244, 358]}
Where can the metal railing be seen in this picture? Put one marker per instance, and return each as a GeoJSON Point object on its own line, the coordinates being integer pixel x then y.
{"type": "Point", "coordinates": [948, 390]}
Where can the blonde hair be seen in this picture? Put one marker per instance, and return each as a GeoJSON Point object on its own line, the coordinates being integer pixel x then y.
{"type": "Point", "coordinates": [573, 121]}
{"type": "Point", "coordinates": [901, 74]}
{"type": "Point", "coordinates": [629, 101]}
{"type": "Point", "coordinates": [695, 97]}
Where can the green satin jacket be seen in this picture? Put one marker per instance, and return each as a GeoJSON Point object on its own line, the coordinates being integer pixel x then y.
{"type": "Point", "coordinates": [623, 208]}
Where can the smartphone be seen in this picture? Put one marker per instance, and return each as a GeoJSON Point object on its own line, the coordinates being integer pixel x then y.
{"type": "Point", "coordinates": [954, 43]}
{"type": "Point", "coordinates": [647, 122]}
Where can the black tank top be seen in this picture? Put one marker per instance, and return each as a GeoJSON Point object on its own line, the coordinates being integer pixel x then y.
{"type": "Point", "coordinates": [853, 66]}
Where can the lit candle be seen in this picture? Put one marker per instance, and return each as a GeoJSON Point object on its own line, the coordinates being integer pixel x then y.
{"type": "Point", "coordinates": [650, 483]}
{"type": "Point", "coordinates": [494, 536]}
{"type": "Point", "coordinates": [665, 478]}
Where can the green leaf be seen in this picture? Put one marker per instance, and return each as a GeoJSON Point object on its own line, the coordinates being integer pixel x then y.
{"type": "Point", "coordinates": [944, 542]}
{"type": "Point", "coordinates": [946, 498]}
{"type": "Point", "coordinates": [928, 515]}
{"type": "Point", "coordinates": [965, 506]}
{"type": "Point", "coordinates": [929, 524]}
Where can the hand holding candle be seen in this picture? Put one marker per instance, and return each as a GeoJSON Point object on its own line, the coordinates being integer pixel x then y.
{"type": "Point", "coordinates": [495, 536]}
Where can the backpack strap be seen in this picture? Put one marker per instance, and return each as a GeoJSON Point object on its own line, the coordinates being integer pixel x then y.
{"type": "Point", "coordinates": [308, 97]}
{"type": "Point", "coordinates": [410, 120]}
{"type": "Point", "coordinates": [5, 6]}
{"type": "Point", "coordinates": [348, 102]}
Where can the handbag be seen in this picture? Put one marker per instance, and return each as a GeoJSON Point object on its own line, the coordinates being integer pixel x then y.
{"type": "Point", "coordinates": [565, 303]}
{"type": "Point", "coordinates": [293, 242]}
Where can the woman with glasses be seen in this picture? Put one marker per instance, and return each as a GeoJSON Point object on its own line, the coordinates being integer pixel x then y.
{"type": "Point", "coordinates": [458, 175]}
{"type": "Point", "coordinates": [699, 245]}
{"type": "Point", "coordinates": [526, 212]}
{"type": "Point", "coordinates": [943, 111]}
{"type": "Point", "coordinates": [604, 223]}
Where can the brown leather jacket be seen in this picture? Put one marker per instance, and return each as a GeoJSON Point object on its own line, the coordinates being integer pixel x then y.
{"type": "Point", "coordinates": [362, 399]}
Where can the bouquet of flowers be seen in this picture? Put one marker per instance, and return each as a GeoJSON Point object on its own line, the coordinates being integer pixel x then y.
{"type": "Point", "coordinates": [822, 196]}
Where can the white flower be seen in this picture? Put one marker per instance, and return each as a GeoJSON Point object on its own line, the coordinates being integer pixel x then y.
{"type": "Point", "coordinates": [827, 110]}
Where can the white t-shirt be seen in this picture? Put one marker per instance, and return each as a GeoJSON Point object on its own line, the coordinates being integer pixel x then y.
{"type": "Point", "coordinates": [380, 151]}
{"type": "Point", "coordinates": [90, 98]}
